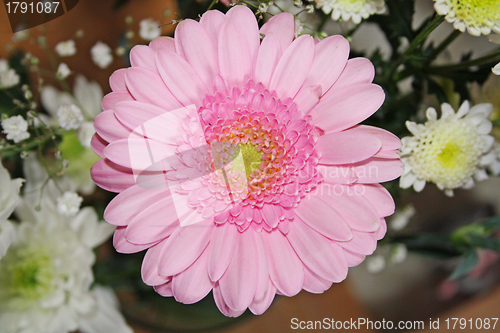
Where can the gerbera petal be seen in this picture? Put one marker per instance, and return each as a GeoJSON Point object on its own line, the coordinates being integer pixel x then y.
{"type": "Point", "coordinates": [293, 67]}
{"type": "Point", "coordinates": [193, 284]}
{"type": "Point", "coordinates": [244, 18]}
{"type": "Point", "coordinates": [239, 282]}
{"type": "Point", "coordinates": [112, 177]}
{"type": "Point", "coordinates": [149, 268]}
{"type": "Point", "coordinates": [380, 198]}
{"type": "Point", "coordinates": [361, 243]}
{"type": "Point", "coordinates": [221, 304]}
{"type": "Point", "coordinates": [117, 80]}
{"type": "Point", "coordinates": [122, 245]}
{"type": "Point", "coordinates": [378, 170]}
{"type": "Point", "coordinates": [147, 86]}
{"type": "Point", "coordinates": [353, 259]}
{"type": "Point", "coordinates": [98, 144]}
{"type": "Point", "coordinates": [267, 59]}
{"type": "Point", "coordinates": [285, 268]}
{"type": "Point", "coordinates": [316, 252]}
{"type": "Point", "coordinates": [109, 101]}
{"type": "Point", "coordinates": [184, 246]}
{"type": "Point", "coordinates": [380, 233]}
{"type": "Point", "coordinates": [235, 61]}
{"type": "Point", "coordinates": [143, 56]}
{"type": "Point", "coordinates": [198, 48]}
{"type": "Point", "coordinates": [308, 97]}
{"type": "Point", "coordinates": [155, 223]}
{"type": "Point", "coordinates": [324, 219]}
{"type": "Point", "coordinates": [213, 20]}
{"type": "Point", "coordinates": [259, 306]}
{"type": "Point", "coordinates": [356, 71]}
{"type": "Point", "coordinates": [179, 77]}
{"type": "Point", "coordinates": [109, 128]}
{"type": "Point", "coordinates": [269, 215]}
{"type": "Point", "coordinates": [315, 284]}
{"type": "Point", "coordinates": [263, 280]}
{"type": "Point", "coordinates": [342, 108]}
{"type": "Point", "coordinates": [164, 289]}
{"type": "Point", "coordinates": [347, 147]}
{"type": "Point", "coordinates": [221, 249]}
{"type": "Point", "coordinates": [283, 26]}
{"type": "Point", "coordinates": [164, 42]}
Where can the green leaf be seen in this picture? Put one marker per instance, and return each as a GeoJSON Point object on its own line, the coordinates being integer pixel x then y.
{"type": "Point", "coordinates": [470, 260]}
{"type": "Point", "coordinates": [436, 246]}
{"type": "Point", "coordinates": [491, 243]}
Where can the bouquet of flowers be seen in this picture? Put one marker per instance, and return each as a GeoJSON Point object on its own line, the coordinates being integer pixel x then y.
{"type": "Point", "coordinates": [243, 157]}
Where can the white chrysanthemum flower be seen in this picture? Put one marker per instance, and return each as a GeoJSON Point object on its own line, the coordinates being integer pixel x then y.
{"type": "Point", "coordinates": [9, 78]}
{"type": "Point", "coordinates": [401, 217]}
{"type": "Point", "coordinates": [70, 116]}
{"type": "Point", "coordinates": [451, 151]}
{"type": "Point", "coordinates": [354, 10]}
{"type": "Point", "coordinates": [477, 16]}
{"type": "Point", "coordinates": [66, 48]}
{"type": "Point", "coordinates": [85, 133]}
{"type": "Point", "coordinates": [102, 55]}
{"type": "Point", "coordinates": [4, 65]}
{"type": "Point", "coordinates": [16, 128]}
{"type": "Point", "coordinates": [46, 274]}
{"type": "Point", "coordinates": [9, 196]}
{"type": "Point", "coordinates": [69, 203]}
{"type": "Point", "coordinates": [149, 29]}
{"type": "Point", "coordinates": [495, 39]}
{"type": "Point", "coordinates": [63, 71]}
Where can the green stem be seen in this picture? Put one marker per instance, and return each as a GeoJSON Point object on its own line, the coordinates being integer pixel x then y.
{"type": "Point", "coordinates": [444, 44]}
{"type": "Point", "coordinates": [14, 149]}
{"type": "Point", "coordinates": [421, 37]}
{"type": "Point", "coordinates": [488, 59]}
{"type": "Point", "coordinates": [496, 122]}
{"type": "Point", "coordinates": [212, 4]}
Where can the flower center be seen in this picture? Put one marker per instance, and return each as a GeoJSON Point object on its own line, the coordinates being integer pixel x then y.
{"type": "Point", "coordinates": [477, 12]}
{"type": "Point", "coordinates": [26, 274]}
{"type": "Point", "coordinates": [447, 153]}
{"type": "Point", "coordinates": [250, 161]}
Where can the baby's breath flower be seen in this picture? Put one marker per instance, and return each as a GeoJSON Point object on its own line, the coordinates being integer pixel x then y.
{"type": "Point", "coordinates": [401, 217]}
{"type": "Point", "coordinates": [354, 10]}
{"type": "Point", "coordinates": [101, 54]}
{"type": "Point", "coordinates": [70, 116]}
{"type": "Point", "coordinates": [451, 151]}
{"type": "Point", "coordinates": [375, 263]}
{"type": "Point", "coordinates": [63, 71]}
{"type": "Point", "coordinates": [16, 128]}
{"type": "Point", "coordinates": [477, 16]}
{"type": "Point", "coordinates": [9, 78]}
{"type": "Point", "coordinates": [69, 204]}
{"type": "Point", "coordinates": [399, 252]}
{"type": "Point", "coordinates": [149, 29]}
{"type": "Point", "coordinates": [66, 49]}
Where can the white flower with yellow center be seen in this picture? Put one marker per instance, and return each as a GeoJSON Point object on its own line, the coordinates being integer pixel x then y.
{"type": "Point", "coordinates": [351, 9]}
{"type": "Point", "coordinates": [451, 151]}
{"type": "Point", "coordinates": [477, 16]}
{"type": "Point", "coordinates": [495, 39]}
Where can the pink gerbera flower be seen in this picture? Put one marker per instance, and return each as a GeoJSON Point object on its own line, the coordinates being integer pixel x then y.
{"type": "Point", "coordinates": [239, 162]}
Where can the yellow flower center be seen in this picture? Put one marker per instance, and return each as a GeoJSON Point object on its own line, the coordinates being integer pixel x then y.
{"type": "Point", "coordinates": [476, 12]}
{"type": "Point", "coordinates": [246, 159]}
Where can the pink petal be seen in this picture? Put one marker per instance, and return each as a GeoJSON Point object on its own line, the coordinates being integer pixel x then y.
{"type": "Point", "coordinates": [112, 177]}
{"type": "Point", "coordinates": [123, 246]}
{"type": "Point", "coordinates": [293, 67]}
{"type": "Point", "coordinates": [357, 71]}
{"type": "Point", "coordinates": [179, 77]}
{"type": "Point", "coordinates": [324, 71]}
{"type": "Point", "coordinates": [361, 243]}
{"type": "Point", "coordinates": [267, 59]}
{"type": "Point", "coordinates": [349, 202]}
{"type": "Point", "coordinates": [111, 99]}
{"type": "Point", "coordinates": [193, 284]}
{"type": "Point", "coordinates": [353, 259]}
{"type": "Point", "coordinates": [239, 282]}
{"type": "Point", "coordinates": [316, 252]}
{"type": "Point", "coordinates": [117, 80]}
{"type": "Point", "coordinates": [109, 128]}
{"type": "Point", "coordinates": [283, 26]}
{"type": "Point", "coordinates": [147, 86]}
{"type": "Point", "coordinates": [315, 284]}
{"type": "Point", "coordinates": [198, 48]}
{"type": "Point", "coordinates": [263, 280]}
{"type": "Point", "coordinates": [143, 56]}
{"type": "Point", "coordinates": [244, 18]}
{"type": "Point", "coordinates": [389, 140]}
{"type": "Point", "coordinates": [149, 269]}
{"type": "Point", "coordinates": [378, 170]}
{"type": "Point", "coordinates": [133, 114]}
{"type": "Point", "coordinates": [380, 198]}
{"type": "Point", "coordinates": [269, 215]}
{"type": "Point", "coordinates": [184, 246]}
{"type": "Point", "coordinates": [260, 306]}
{"type": "Point", "coordinates": [155, 223]}
{"type": "Point", "coordinates": [380, 233]}
{"type": "Point", "coordinates": [285, 268]}
{"type": "Point", "coordinates": [164, 289]}
{"type": "Point", "coordinates": [98, 144]}
{"type": "Point", "coordinates": [307, 98]}
{"type": "Point", "coordinates": [221, 249]}
{"type": "Point", "coordinates": [221, 304]}
{"type": "Point", "coordinates": [163, 42]}
{"type": "Point", "coordinates": [213, 21]}
{"type": "Point", "coordinates": [126, 205]}
{"type": "Point", "coordinates": [235, 61]}
{"type": "Point", "coordinates": [347, 147]}
{"type": "Point", "coordinates": [338, 174]}
{"type": "Point", "coordinates": [342, 108]}
{"type": "Point", "coordinates": [323, 218]}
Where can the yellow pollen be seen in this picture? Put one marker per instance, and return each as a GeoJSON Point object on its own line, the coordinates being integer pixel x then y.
{"type": "Point", "coordinates": [251, 159]}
